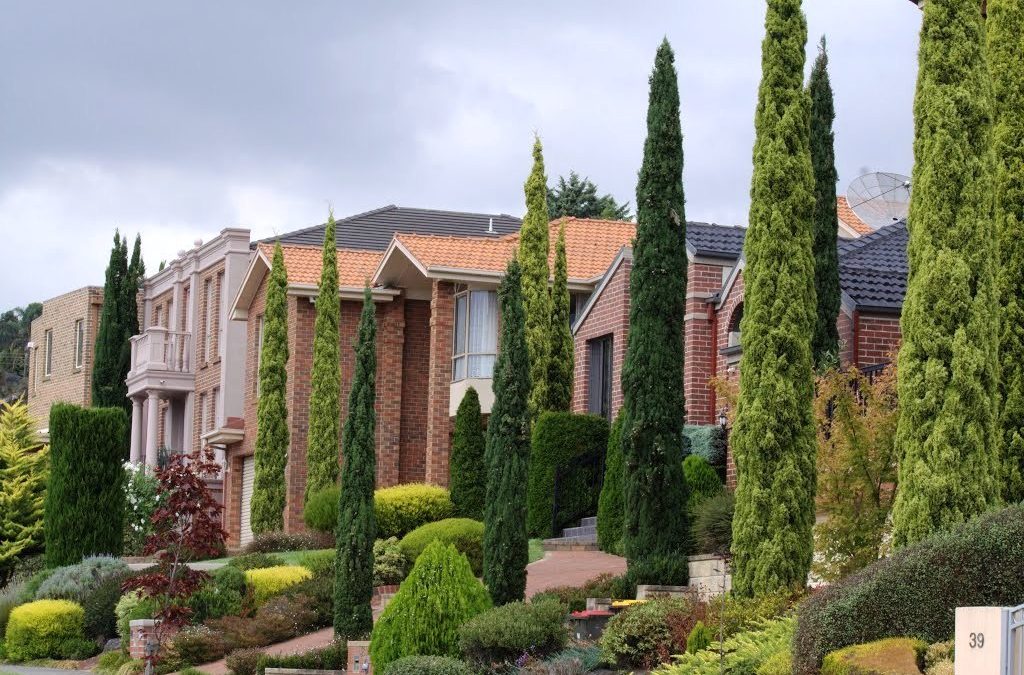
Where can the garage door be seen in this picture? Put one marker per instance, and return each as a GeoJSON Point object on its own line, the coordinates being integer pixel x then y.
{"type": "Point", "coordinates": [248, 474]}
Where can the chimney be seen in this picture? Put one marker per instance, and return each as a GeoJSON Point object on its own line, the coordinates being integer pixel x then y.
{"type": "Point", "coordinates": [490, 226]}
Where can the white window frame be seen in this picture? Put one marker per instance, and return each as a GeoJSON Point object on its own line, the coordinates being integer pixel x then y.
{"type": "Point", "coordinates": [461, 356]}
{"type": "Point", "coordinates": [79, 343]}
{"type": "Point", "coordinates": [48, 353]}
{"type": "Point", "coordinates": [208, 289]}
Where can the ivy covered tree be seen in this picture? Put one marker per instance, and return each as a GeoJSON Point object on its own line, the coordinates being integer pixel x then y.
{"type": "Point", "coordinates": [325, 387]}
{"type": "Point", "coordinates": [357, 524]}
{"type": "Point", "coordinates": [774, 437]}
{"type": "Point", "coordinates": [1005, 63]}
{"type": "Point", "coordinates": [577, 197]}
{"type": "Point", "coordinates": [506, 547]}
{"type": "Point", "coordinates": [948, 366]}
{"type": "Point", "coordinates": [468, 479]}
{"type": "Point", "coordinates": [24, 468]}
{"type": "Point", "coordinates": [533, 258]}
{"type": "Point", "coordinates": [825, 343]}
{"type": "Point", "coordinates": [561, 359]}
{"type": "Point", "coordinates": [108, 385]}
{"type": "Point", "coordinates": [272, 437]}
{"type": "Point", "coordinates": [656, 528]}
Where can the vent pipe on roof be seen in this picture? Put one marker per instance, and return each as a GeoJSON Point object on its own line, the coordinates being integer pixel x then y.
{"type": "Point", "coordinates": [490, 225]}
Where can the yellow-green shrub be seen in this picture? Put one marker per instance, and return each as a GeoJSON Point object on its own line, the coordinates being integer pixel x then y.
{"type": "Point", "coordinates": [47, 629]}
{"type": "Point", "coordinates": [269, 581]}
{"type": "Point", "coordinates": [894, 656]}
{"type": "Point", "coordinates": [403, 508]}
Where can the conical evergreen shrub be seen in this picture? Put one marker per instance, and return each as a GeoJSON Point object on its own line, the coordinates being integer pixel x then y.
{"type": "Point", "coordinates": [610, 503]}
{"type": "Point", "coordinates": [533, 258]}
{"type": "Point", "coordinates": [468, 479]}
{"type": "Point", "coordinates": [561, 358]}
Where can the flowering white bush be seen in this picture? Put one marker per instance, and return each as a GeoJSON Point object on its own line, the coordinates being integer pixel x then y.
{"type": "Point", "coordinates": [141, 499]}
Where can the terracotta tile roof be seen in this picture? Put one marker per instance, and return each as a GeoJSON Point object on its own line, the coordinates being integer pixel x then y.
{"type": "Point", "coordinates": [851, 219]}
{"type": "Point", "coordinates": [303, 264]}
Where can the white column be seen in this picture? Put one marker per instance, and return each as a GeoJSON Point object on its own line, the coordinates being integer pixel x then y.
{"type": "Point", "coordinates": [136, 452]}
{"type": "Point", "coordinates": [152, 428]}
{"type": "Point", "coordinates": [188, 423]}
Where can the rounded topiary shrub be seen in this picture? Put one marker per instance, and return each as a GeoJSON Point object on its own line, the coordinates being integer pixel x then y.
{"type": "Point", "coordinates": [47, 629]}
{"type": "Point", "coordinates": [435, 600]}
{"type": "Point", "coordinates": [648, 634]}
{"type": "Point", "coordinates": [465, 534]}
{"type": "Point", "coordinates": [427, 665]}
{"type": "Point", "coordinates": [701, 479]}
{"type": "Point", "coordinates": [399, 509]}
{"type": "Point", "coordinates": [76, 582]}
{"type": "Point", "coordinates": [499, 636]}
{"type": "Point", "coordinates": [321, 510]}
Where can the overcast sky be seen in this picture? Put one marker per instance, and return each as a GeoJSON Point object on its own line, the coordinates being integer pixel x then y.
{"type": "Point", "coordinates": [176, 119]}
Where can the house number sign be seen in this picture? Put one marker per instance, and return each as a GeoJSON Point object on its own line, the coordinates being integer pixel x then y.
{"type": "Point", "coordinates": [980, 636]}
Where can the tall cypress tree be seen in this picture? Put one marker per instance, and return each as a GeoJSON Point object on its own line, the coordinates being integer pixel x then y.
{"type": "Point", "coordinates": [468, 473]}
{"type": "Point", "coordinates": [948, 365]}
{"type": "Point", "coordinates": [325, 388]}
{"type": "Point", "coordinates": [136, 275]}
{"type": "Point", "coordinates": [1005, 64]}
{"type": "Point", "coordinates": [656, 528]}
{"type": "Point", "coordinates": [108, 385]}
{"type": "Point", "coordinates": [272, 438]}
{"type": "Point", "coordinates": [825, 343]}
{"type": "Point", "coordinates": [561, 358]}
{"type": "Point", "coordinates": [506, 547]}
{"type": "Point", "coordinates": [774, 436]}
{"type": "Point", "coordinates": [533, 257]}
{"type": "Point", "coordinates": [357, 524]}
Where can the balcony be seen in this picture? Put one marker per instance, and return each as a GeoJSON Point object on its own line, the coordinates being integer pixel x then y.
{"type": "Point", "coordinates": [162, 359]}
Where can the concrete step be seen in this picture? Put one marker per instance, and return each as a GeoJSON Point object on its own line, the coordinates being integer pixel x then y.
{"type": "Point", "coordinates": [569, 544]}
{"type": "Point", "coordinates": [589, 522]}
{"type": "Point", "coordinates": [584, 531]}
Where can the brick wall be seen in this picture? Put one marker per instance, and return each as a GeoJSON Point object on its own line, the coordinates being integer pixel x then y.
{"type": "Point", "coordinates": [390, 372]}
{"type": "Point", "coordinates": [66, 382]}
{"type": "Point", "coordinates": [844, 322]}
{"type": "Point", "coordinates": [608, 316]}
{"type": "Point", "coordinates": [160, 309]}
{"type": "Point", "coordinates": [727, 315]}
{"type": "Point", "coordinates": [442, 317]}
{"type": "Point", "coordinates": [704, 281]}
{"type": "Point", "coordinates": [878, 338]}
{"type": "Point", "coordinates": [301, 317]}
{"type": "Point", "coordinates": [415, 384]}
{"type": "Point", "coordinates": [208, 371]}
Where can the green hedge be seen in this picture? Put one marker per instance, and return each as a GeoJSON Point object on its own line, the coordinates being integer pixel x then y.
{"type": "Point", "coordinates": [559, 439]}
{"type": "Point", "coordinates": [701, 479]}
{"type": "Point", "coordinates": [707, 441]}
{"type": "Point", "coordinates": [610, 505]}
{"type": "Point", "coordinates": [84, 512]}
{"type": "Point", "coordinates": [428, 665]}
{"type": "Point", "coordinates": [499, 636]}
{"type": "Point", "coordinates": [50, 629]}
{"type": "Point", "coordinates": [465, 534]}
{"type": "Point", "coordinates": [399, 509]}
{"type": "Point", "coordinates": [911, 593]}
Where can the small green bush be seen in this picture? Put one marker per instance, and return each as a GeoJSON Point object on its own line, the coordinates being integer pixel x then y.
{"type": "Point", "coordinates": [268, 582]}
{"type": "Point", "coordinates": [219, 596]}
{"type": "Point", "coordinates": [243, 661]}
{"type": "Point", "coordinates": [701, 479]}
{"type": "Point", "coordinates": [439, 595]}
{"type": "Point", "coordinates": [331, 657]}
{"type": "Point", "coordinates": [712, 523]}
{"type": "Point", "coordinates": [389, 563]}
{"type": "Point", "coordinates": [196, 645]}
{"type": "Point", "coordinates": [779, 663]}
{"type": "Point", "coordinates": [10, 597]}
{"type": "Point", "coordinates": [559, 440]}
{"type": "Point", "coordinates": [501, 635]}
{"type": "Point", "coordinates": [47, 629]}
{"type": "Point", "coordinates": [900, 656]}
{"type": "Point", "coordinates": [99, 604]}
{"type": "Point", "coordinates": [321, 510]}
{"type": "Point", "coordinates": [707, 441]}
{"type": "Point", "coordinates": [731, 614]}
{"type": "Point", "coordinates": [319, 563]}
{"type": "Point", "coordinates": [427, 665]}
{"type": "Point", "coordinates": [319, 590]}
{"type": "Point", "coordinates": [399, 509]}
{"type": "Point", "coordinates": [647, 634]}
{"type": "Point", "coordinates": [230, 578]}
{"type": "Point", "coordinates": [31, 587]}
{"type": "Point", "coordinates": [465, 534]}
{"type": "Point", "coordinates": [130, 607]}
{"type": "Point", "coordinates": [256, 561]}
{"type": "Point", "coordinates": [699, 638]}
{"type": "Point", "coordinates": [279, 542]}
{"type": "Point", "coordinates": [610, 507]}
{"type": "Point", "coordinates": [110, 662]}
{"type": "Point", "coordinates": [75, 582]}
{"type": "Point", "coordinates": [601, 586]}
{"type": "Point", "coordinates": [753, 652]}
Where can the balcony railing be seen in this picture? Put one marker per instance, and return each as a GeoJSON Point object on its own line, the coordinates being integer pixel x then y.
{"type": "Point", "coordinates": [161, 349]}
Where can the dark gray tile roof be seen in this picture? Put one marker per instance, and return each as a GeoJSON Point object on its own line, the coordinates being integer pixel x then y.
{"type": "Point", "coordinates": [373, 230]}
{"type": "Point", "coordinates": [715, 241]}
{"type": "Point", "coordinates": [873, 268]}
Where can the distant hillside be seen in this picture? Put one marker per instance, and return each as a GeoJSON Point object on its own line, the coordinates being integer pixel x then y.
{"type": "Point", "coordinates": [15, 326]}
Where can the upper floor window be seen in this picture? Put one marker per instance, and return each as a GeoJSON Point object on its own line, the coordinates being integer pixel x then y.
{"type": "Point", "coordinates": [476, 334]}
{"type": "Point", "coordinates": [48, 354]}
{"type": "Point", "coordinates": [79, 343]}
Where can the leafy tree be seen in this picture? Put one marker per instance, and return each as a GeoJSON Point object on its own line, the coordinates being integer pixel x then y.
{"type": "Point", "coordinates": [24, 466]}
{"type": "Point", "coordinates": [561, 359]}
{"type": "Point", "coordinates": [856, 419]}
{"type": "Point", "coordinates": [1005, 63]}
{"type": "Point", "coordinates": [825, 343]}
{"type": "Point", "coordinates": [468, 479]}
{"type": "Point", "coordinates": [610, 504]}
{"type": "Point", "coordinates": [271, 452]}
{"type": "Point", "coordinates": [15, 331]}
{"type": "Point", "coordinates": [506, 548]}
{"type": "Point", "coordinates": [357, 524]}
{"type": "Point", "coordinates": [325, 388]}
{"type": "Point", "coordinates": [108, 385]}
{"type": "Point", "coordinates": [577, 197]}
{"type": "Point", "coordinates": [773, 439]}
{"type": "Point", "coordinates": [536, 298]}
{"type": "Point", "coordinates": [657, 526]}
{"type": "Point", "coordinates": [949, 469]}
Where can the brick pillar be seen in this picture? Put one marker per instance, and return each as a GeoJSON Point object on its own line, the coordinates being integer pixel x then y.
{"type": "Point", "coordinates": [442, 317]}
{"type": "Point", "coordinates": [699, 342]}
{"type": "Point", "coordinates": [301, 318]}
{"type": "Point", "coordinates": [390, 343]}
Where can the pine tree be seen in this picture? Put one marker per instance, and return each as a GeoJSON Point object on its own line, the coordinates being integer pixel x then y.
{"type": "Point", "coordinates": [357, 525]}
{"type": "Point", "coordinates": [506, 547]}
{"type": "Point", "coordinates": [656, 529]}
{"type": "Point", "coordinates": [774, 436]}
{"type": "Point", "coordinates": [533, 258]}
{"type": "Point", "coordinates": [24, 466]}
{"type": "Point", "coordinates": [325, 388]}
{"type": "Point", "coordinates": [561, 358]}
{"type": "Point", "coordinates": [1005, 63]}
{"type": "Point", "coordinates": [825, 343]}
{"type": "Point", "coordinates": [948, 368]}
{"type": "Point", "coordinates": [271, 452]}
{"type": "Point", "coordinates": [468, 479]}
{"type": "Point", "coordinates": [108, 385]}
{"type": "Point", "coordinates": [577, 197]}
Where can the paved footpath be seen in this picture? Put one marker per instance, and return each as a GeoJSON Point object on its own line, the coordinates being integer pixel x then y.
{"type": "Point", "coordinates": [34, 670]}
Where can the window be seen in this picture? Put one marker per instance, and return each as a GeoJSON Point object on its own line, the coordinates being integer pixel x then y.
{"type": "Point", "coordinates": [599, 394]}
{"type": "Point", "coordinates": [48, 354]}
{"type": "Point", "coordinates": [204, 417]}
{"type": "Point", "coordinates": [476, 334]}
{"type": "Point", "coordinates": [217, 289]}
{"type": "Point", "coordinates": [208, 320]}
{"type": "Point", "coordinates": [214, 395]}
{"type": "Point", "coordinates": [79, 343]}
{"type": "Point", "coordinates": [577, 301]}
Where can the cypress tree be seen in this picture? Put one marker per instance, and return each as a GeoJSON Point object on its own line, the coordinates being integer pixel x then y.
{"type": "Point", "coordinates": [609, 504]}
{"type": "Point", "coordinates": [774, 436]}
{"type": "Point", "coordinates": [506, 547]}
{"type": "Point", "coordinates": [108, 385]}
{"type": "Point", "coordinates": [271, 451]}
{"type": "Point", "coordinates": [1005, 63]}
{"type": "Point", "coordinates": [325, 388]}
{"type": "Point", "coordinates": [136, 275]}
{"type": "Point", "coordinates": [561, 359]}
{"type": "Point", "coordinates": [656, 529]}
{"type": "Point", "coordinates": [468, 479]}
{"type": "Point", "coordinates": [533, 258]}
{"type": "Point", "coordinates": [948, 369]}
{"type": "Point", "coordinates": [825, 343]}
{"type": "Point", "coordinates": [357, 524]}
{"type": "Point", "coordinates": [23, 472]}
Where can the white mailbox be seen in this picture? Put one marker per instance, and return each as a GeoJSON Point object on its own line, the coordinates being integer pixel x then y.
{"type": "Point", "coordinates": [980, 640]}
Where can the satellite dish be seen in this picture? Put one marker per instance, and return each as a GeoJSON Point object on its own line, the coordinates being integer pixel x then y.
{"type": "Point", "coordinates": [880, 198]}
